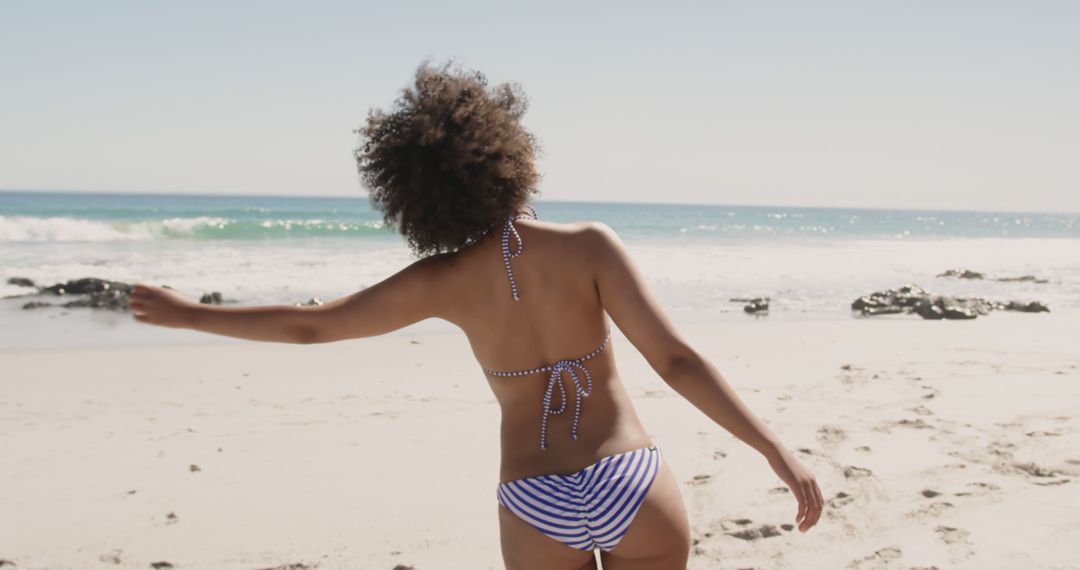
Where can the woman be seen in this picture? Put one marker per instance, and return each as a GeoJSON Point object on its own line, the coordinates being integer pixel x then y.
{"type": "Point", "coordinates": [453, 168]}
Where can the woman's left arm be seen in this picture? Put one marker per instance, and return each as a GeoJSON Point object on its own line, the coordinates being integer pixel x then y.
{"type": "Point", "coordinates": [410, 295]}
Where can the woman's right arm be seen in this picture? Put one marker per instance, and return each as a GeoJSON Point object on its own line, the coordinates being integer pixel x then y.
{"type": "Point", "coordinates": [626, 297]}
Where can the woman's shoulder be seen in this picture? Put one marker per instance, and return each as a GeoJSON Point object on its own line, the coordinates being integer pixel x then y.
{"type": "Point", "coordinates": [580, 228]}
{"type": "Point", "coordinates": [590, 237]}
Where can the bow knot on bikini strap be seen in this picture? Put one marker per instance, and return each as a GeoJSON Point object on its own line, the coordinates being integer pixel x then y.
{"type": "Point", "coordinates": [563, 365]}
{"type": "Point", "coordinates": [555, 379]}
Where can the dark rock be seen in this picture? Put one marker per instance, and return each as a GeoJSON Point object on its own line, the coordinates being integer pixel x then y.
{"type": "Point", "coordinates": [957, 312]}
{"type": "Point", "coordinates": [885, 302]}
{"type": "Point", "coordinates": [20, 282]}
{"type": "Point", "coordinates": [161, 565]}
{"type": "Point", "coordinates": [114, 299]}
{"type": "Point", "coordinates": [869, 302]}
{"type": "Point", "coordinates": [86, 285]}
{"type": "Point", "coordinates": [1022, 278]}
{"type": "Point", "coordinates": [883, 310]}
{"type": "Point", "coordinates": [969, 274]}
{"type": "Point", "coordinates": [929, 310]}
{"type": "Point", "coordinates": [962, 274]}
{"type": "Point", "coordinates": [757, 305]}
{"type": "Point", "coordinates": [36, 305]}
{"type": "Point", "coordinates": [213, 298]}
{"type": "Point", "coordinates": [1026, 307]}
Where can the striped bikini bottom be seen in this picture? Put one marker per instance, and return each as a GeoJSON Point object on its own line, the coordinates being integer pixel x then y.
{"type": "Point", "coordinates": [590, 508]}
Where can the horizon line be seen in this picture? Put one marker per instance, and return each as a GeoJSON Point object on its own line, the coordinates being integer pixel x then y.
{"type": "Point", "coordinates": [364, 196]}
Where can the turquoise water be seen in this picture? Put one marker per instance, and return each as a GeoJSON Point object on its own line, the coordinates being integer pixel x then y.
{"type": "Point", "coordinates": [39, 216]}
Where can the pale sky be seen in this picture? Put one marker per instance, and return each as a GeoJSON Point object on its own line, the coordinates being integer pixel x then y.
{"type": "Point", "coordinates": [914, 104]}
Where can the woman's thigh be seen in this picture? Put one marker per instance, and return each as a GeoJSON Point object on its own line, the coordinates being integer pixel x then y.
{"type": "Point", "coordinates": [526, 548]}
{"type": "Point", "coordinates": [659, 536]}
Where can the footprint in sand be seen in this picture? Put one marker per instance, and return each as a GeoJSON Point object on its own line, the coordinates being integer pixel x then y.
{"type": "Point", "coordinates": [921, 410]}
{"type": "Point", "coordinates": [852, 472]}
{"type": "Point", "coordinates": [840, 500]}
{"type": "Point", "coordinates": [734, 523]}
{"type": "Point", "coordinates": [1035, 473]}
{"type": "Point", "coordinates": [1035, 470]}
{"type": "Point", "coordinates": [980, 488]}
{"type": "Point", "coordinates": [1047, 433]}
{"type": "Point", "coordinates": [852, 375]}
{"type": "Point", "coordinates": [700, 479]}
{"type": "Point", "coordinates": [951, 535]}
{"type": "Point", "coordinates": [880, 559]}
{"type": "Point", "coordinates": [1052, 482]}
{"type": "Point", "coordinates": [114, 557]}
{"type": "Point", "coordinates": [752, 534]}
{"type": "Point", "coordinates": [916, 423]}
{"type": "Point", "coordinates": [933, 510]}
{"type": "Point", "coordinates": [831, 434]}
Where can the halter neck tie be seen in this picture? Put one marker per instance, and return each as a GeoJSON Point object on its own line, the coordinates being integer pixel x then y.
{"type": "Point", "coordinates": [508, 229]}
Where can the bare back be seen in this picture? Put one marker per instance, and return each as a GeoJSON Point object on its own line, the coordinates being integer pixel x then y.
{"type": "Point", "coordinates": [559, 316]}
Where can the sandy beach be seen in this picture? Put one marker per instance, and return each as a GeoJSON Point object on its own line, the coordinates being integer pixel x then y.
{"type": "Point", "coordinates": [937, 444]}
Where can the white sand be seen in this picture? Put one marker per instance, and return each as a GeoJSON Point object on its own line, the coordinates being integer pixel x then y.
{"type": "Point", "coordinates": [380, 452]}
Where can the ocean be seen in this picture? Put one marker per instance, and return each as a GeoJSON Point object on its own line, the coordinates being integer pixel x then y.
{"type": "Point", "coordinates": [811, 262]}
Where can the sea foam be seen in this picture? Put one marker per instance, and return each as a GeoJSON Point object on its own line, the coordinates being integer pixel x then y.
{"type": "Point", "coordinates": [67, 229]}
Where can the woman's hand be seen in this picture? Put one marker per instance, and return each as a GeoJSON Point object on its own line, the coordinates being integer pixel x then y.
{"type": "Point", "coordinates": [802, 485]}
{"type": "Point", "coordinates": [160, 306]}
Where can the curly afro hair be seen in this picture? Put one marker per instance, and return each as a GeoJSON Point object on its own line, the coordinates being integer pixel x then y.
{"type": "Point", "coordinates": [450, 159]}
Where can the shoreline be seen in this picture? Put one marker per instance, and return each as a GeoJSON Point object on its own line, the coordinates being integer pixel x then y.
{"type": "Point", "coordinates": [57, 328]}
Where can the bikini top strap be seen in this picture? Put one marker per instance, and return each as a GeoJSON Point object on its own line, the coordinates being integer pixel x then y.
{"type": "Point", "coordinates": [550, 367]}
{"type": "Point", "coordinates": [508, 230]}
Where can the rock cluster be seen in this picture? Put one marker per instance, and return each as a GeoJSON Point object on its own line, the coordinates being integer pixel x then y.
{"type": "Point", "coordinates": [969, 274]}
{"type": "Point", "coordinates": [915, 299]}
{"type": "Point", "coordinates": [755, 305]}
{"type": "Point", "coordinates": [90, 292]}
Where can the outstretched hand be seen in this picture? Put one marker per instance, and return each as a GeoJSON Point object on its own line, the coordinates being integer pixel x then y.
{"type": "Point", "coordinates": [803, 485]}
{"type": "Point", "coordinates": [159, 306]}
